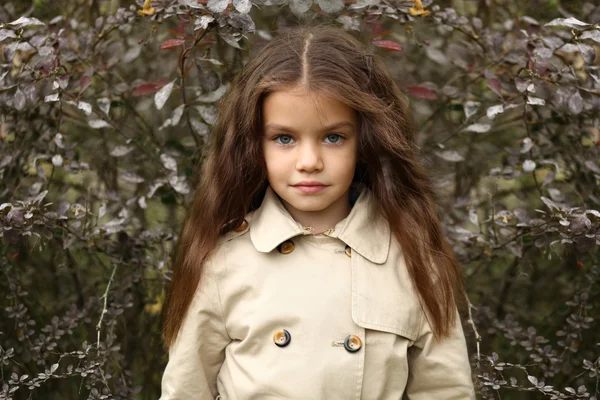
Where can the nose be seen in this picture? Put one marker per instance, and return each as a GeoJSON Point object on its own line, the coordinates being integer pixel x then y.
{"type": "Point", "coordinates": [309, 158]}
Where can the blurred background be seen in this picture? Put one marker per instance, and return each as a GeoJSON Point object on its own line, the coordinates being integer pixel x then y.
{"type": "Point", "coordinates": [105, 110]}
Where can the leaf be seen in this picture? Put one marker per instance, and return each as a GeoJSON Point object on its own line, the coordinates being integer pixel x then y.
{"type": "Point", "coordinates": [161, 97]}
{"type": "Point", "coordinates": [86, 107]}
{"type": "Point", "coordinates": [575, 103]}
{"type": "Point", "coordinates": [387, 44]}
{"type": "Point", "coordinates": [98, 123]}
{"type": "Point", "coordinates": [588, 53]}
{"type": "Point", "coordinates": [120, 151]}
{"type": "Point", "coordinates": [57, 160]}
{"type": "Point", "coordinates": [568, 22]}
{"type": "Point", "coordinates": [494, 110]}
{"type": "Point", "coordinates": [593, 34]}
{"type": "Point", "coordinates": [51, 98]}
{"type": "Point", "coordinates": [528, 165]}
{"type": "Point", "coordinates": [19, 100]}
{"type": "Point", "coordinates": [23, 21]}
{"type": "Point", "coordinates": [471, 108]}
{"type": "Point", "coordinates": [299, 7]}
{"type": "Point", "coordinates": [422, 92]}
{"type": "Point", "coordinates": [243, 6]}
{"type": "Point", "coordinates": [449, 155]}
{"type": "Point", "coordinates": [478, 128]}
{"type": "Point", "coordinates": [6, 33]}
{"type": "Point", "coordinates": [526, 145]}
{"type": "Point", "coordinates": [495, 85]}
{"type": "Point", "coordinates": [179, 184]}
{"type": "Point", "coordinates": [217, 6]}
{"type": "Point", "coordinates": [85, 81]}
{"type": "Point", "coordinates": [532, 379]}
{"type": "Point", "coordinates": [149, 88]}
{"type": "Point", "coordinates": [168, 162]}
{"type": "Point", "coordinates": [437, 56]}
{"type": "Point", "coordinates": [592, 166]}
{"type": "Point", "coordinates": [331, 6]}
{"type": "Point", "coordinates": [169, 44]}
{"type": "Point", "coordinates": [535, 101]}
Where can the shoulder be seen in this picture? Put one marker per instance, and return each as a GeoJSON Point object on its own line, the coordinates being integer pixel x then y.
{"type": "Point", "coordinates": [234, 244]}
{"type": "Point", "coordinates": [237, 232]}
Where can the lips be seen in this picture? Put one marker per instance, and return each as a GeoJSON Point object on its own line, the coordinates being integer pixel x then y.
{"type": "Point", "coordinates": [310, 187]}
{"type": "Point", "coordinates": [309, 183]}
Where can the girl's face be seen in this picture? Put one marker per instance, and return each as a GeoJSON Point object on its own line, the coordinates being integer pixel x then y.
{"type": "Point", "coordinates": [310, 149]}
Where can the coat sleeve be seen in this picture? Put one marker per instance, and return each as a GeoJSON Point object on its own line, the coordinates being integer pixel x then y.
{"type": "Point", "coordinates": [197, 354]}
{"type": "Point", "coordinates": [439, 369]}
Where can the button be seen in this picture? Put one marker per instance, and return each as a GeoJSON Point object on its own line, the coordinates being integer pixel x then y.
{"type": "Point", "coordinates": [348, 251]}
{"type": "Point", "coordinates": [352, 343]}
{"type": "Point", "coordinates": [282, 338]}
{"type": "Point", "coordinates": [286, 247]}
{"type": "Point", "coordinates": [243, 226]}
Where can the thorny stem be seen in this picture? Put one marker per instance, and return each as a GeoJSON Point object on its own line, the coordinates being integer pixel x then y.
{"type": "Point", "coordinates": [183, 72]}
{"type": "Point", "coordinates": [472, 323]}
{"type": "Point", "coordinates": [104, 308]}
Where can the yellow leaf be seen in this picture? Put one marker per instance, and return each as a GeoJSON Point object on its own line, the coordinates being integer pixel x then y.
{"type": "Point", "coordinates": [418, 9]}
{"type": "Point", "coordinates": [147, 10]}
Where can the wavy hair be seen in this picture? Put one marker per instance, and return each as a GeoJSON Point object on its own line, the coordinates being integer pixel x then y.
{"type": "Point", "coordinates": [233, 179]}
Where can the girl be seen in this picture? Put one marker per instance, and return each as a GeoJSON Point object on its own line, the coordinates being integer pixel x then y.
{"type": "Point", "coordinates": [312, 264]}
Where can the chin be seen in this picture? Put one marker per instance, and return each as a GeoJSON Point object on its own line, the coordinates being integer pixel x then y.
{"type": "Point", "coordinates": [308, 204]}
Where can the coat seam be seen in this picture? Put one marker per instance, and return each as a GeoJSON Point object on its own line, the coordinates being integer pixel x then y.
{"type": "Point", "coordinates": [219, 296]}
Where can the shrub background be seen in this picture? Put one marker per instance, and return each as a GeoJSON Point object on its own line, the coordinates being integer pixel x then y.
{"type": "Point", "coordinates": [105, 110]}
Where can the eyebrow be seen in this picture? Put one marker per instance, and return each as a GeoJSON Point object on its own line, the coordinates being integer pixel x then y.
{"type": "Point", "coordinates": [336, 125]}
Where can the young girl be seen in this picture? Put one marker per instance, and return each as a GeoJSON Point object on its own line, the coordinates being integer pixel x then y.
{"type": "Point", "coordinates": [312, 264]}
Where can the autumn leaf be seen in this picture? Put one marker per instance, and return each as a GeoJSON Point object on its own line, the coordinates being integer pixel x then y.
{"type": "Point", "coordinates": [387, 44]}
{"type": "Point", "coordinates": [147, 10]}
{"type": "Point", "coordinates": [418, 9]}
{"type": "Point", "coordinates": [170, 43]}
{"type": "Point", "coordinates": [421, 92]}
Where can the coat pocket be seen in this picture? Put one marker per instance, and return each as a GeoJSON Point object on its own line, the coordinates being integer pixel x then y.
{"type": "Point", "coordinates": [383, 298]}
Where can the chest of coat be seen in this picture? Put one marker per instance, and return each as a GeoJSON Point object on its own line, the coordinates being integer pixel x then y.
{"type": "Point", "coordinates": [316, 283]}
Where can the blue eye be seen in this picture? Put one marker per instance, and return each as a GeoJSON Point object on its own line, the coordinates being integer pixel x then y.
{"type": "Point", "coordinates": [334, 138]}
{"type": "Point", "coordinates": [283, 139]}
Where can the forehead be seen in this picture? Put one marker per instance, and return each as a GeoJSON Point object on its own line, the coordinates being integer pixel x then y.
{"type": "Point", "coordinates": [302, 109]}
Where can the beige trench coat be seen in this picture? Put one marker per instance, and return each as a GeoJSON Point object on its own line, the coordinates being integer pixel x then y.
{"type": "Point", "coordinates": [353, 327]}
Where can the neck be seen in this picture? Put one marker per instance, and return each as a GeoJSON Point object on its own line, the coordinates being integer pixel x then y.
{"type": "Point", "coordinates": [325, 219]}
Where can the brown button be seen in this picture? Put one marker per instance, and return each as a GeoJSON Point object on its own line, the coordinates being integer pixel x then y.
{"type": "Point", "coordinates": [243, 226]}
{"type": "Point", "coordinates": [348, 251]}
{"type": "Point", "coordinates": [282, 338]}
{"type": "Point", "coordinates": [286, 247]}
{"type": "Point", "coordinates": [352, 343]}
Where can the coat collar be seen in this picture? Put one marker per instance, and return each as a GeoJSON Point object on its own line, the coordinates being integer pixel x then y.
{"type": "Point", "coordinates": [365, 230]}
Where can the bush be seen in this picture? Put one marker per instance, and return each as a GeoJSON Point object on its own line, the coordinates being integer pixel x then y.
{"type": "Point", "coordinates": [105, 110]}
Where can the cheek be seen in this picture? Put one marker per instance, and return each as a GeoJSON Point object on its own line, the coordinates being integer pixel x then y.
{"type": "Point", "coordinates": [275, 161]}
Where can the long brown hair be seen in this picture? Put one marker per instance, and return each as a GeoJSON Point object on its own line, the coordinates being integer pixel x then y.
{"type": "Point", "coordinates": [233, 180]}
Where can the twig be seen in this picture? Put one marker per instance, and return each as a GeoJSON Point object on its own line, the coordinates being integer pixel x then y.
{"type": "Point", "coordinates": [104, 309]}
{"type": "Point", "coordinates": [472, 323]}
